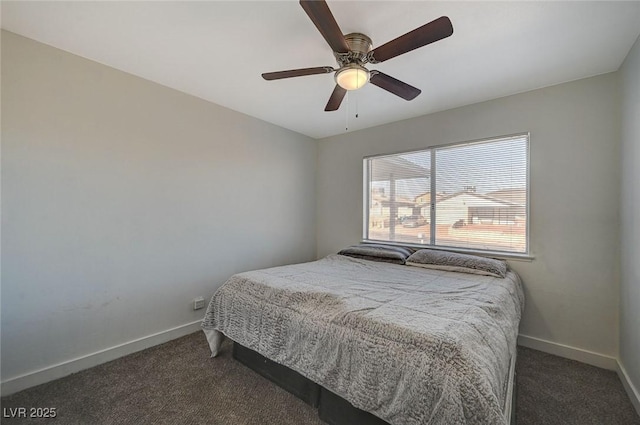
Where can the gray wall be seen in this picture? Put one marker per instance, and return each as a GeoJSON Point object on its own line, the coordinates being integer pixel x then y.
{"type": "Point", "coordinates": [630, 217]}
{"type": "Point", "coordinates": [122, 200]}
{"type": "Point", "coordinates": [572, 285]}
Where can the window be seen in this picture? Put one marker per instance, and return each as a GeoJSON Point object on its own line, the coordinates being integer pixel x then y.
{"type": "Point", "coordinates": [469, 196]}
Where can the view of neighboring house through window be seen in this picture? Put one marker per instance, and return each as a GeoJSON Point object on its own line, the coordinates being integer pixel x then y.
{"type": "Point", "coordinates": [467, 195]}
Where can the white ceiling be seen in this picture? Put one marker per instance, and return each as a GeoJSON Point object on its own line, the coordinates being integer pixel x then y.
{"type": "Point", "coordinates": [217, 50]}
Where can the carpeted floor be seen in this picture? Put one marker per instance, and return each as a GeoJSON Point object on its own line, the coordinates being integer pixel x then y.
{"type": "Point", "coordinates": [178, 383]}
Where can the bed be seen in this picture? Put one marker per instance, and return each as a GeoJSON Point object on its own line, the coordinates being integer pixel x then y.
{"type": "Point", "coordinates": [407, 345]}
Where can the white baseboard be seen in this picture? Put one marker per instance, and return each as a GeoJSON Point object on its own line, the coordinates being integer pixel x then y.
{"type": "Point", "coordinates": [585, 356]}
{"type": "Point", "coordinates": [59, 370]}
{"type": "Point", "coordinates": [631, 390]}
{"type": "Point", "coordinates": [568, 352]}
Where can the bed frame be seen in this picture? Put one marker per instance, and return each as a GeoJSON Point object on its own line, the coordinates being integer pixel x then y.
{"type": "Point", "coordinates": [332, 408]}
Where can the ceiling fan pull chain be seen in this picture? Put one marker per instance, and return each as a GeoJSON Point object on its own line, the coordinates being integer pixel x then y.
{"type": "Point", "coordinates": [346, 118]}
{"type": "Point", "coordinates": [357, 106]}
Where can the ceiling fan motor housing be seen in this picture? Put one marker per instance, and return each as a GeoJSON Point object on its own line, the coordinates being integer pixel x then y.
{"type": "Point", "coordinates": [359, 46]}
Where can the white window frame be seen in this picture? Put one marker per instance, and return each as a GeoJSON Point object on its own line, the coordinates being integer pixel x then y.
{"type": "Point", "coordinates": [526, 255]}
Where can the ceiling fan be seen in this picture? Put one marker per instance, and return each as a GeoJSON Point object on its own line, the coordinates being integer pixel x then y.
{"type": "Point", "coordinates": [353, 51]}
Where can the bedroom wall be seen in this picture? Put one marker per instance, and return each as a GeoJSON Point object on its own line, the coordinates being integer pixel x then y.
{"type": "Point", "coordinates": [122, 200]}
{"type": "Point", "coordinates": [630, 221]}
{"type": "Point", "coordinates": [572, 284]}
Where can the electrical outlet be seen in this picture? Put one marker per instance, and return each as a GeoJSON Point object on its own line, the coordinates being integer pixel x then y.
{"type": "Point", "coordinates": [198, 303]}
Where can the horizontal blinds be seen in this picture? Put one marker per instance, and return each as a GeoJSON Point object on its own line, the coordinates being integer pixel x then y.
{"type": "Point", "coordinates": [482, 196]}
{"type": "Point", "coordinates": [480, 199]}
{"type": "Point", "coordinates": [397, 210]}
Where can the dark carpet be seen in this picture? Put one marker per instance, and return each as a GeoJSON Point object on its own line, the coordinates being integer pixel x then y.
{"type": "Point", "coordinates": [178, 383]}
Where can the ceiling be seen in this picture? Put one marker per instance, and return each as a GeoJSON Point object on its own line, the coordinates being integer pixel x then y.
{"type": "Point", "coordinates": [217, 50]}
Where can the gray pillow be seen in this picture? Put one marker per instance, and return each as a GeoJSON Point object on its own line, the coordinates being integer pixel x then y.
{"type": "Point", "coordinates": [452, 261]}
{"type": "Point", "coordinates": [378, 252]}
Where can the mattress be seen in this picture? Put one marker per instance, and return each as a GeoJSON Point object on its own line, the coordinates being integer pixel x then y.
{"type": "Point", "coordinates": [410, 345]}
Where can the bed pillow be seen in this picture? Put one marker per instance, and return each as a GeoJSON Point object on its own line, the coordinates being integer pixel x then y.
{"type": "Point", "coordinates": [378, 252]}
{"type": "Point", "coordinates": [452, 261]}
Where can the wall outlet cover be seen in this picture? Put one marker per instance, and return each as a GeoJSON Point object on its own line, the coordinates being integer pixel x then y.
{"type": "Point", "coordinates": [198, 303]}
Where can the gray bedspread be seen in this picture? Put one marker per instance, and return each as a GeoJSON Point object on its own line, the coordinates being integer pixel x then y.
{"type": "Point", "coordinates": [410, 345]}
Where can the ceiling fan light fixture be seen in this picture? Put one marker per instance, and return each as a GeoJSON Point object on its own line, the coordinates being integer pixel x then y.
{"type": "Point", "coordinates": [352, 76]}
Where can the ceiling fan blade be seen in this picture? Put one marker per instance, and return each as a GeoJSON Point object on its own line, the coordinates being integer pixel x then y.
{"type": "Point", "coordinates": [297, 73]}
{"type": "Point", "coordinates": [323, 19]}
{"type": "Point", "coordinates": [392, 85]}
{"type": "Point", "coordinates": [336, 99]}
{"type": "Point", "coordinates": [426, 34]}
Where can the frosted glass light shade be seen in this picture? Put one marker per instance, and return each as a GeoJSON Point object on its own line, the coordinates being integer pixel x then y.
{"type": "Point", "coordinates": [352, 77]}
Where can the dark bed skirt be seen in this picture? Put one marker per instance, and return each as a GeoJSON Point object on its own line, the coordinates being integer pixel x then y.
{"type": "Point", "coordinates": [332, 408]}
{"type": "Point", "coordinates": [288, 379]}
